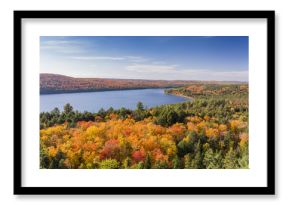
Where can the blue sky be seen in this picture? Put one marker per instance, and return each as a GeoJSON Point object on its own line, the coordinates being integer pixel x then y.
{"type": "Point", "coordinates": [147, 57]}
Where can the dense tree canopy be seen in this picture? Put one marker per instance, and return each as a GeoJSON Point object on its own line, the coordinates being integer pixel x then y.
{"type": "Point", "coordinates": [209, 132]}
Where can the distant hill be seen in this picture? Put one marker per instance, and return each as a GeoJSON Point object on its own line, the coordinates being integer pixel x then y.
{"type": "Point", "coordinates": [211, 90]}
{"type": "Point", "coordinates": [54, 83]}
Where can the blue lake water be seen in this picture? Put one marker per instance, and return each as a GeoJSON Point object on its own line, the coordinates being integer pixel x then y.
{"type": "Point", "coordinates": [94, 101]}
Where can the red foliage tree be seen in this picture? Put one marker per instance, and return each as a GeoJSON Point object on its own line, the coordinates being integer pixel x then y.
{"type": "Point", "coordinates": [139, 155]}
{"type": "Point", "coordinates": [111, 150]}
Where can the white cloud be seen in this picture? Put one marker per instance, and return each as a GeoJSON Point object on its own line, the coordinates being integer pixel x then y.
{"type": "Point", "coordinates": [158, 62]}
{"type": "Point", "coordinates": [62, 46]}
{"type": "Point", "coordinates": [97, 58]}
{"type": "Point", "coordinates": [129, 59]}
{"type": "Point", "coordinates": [53, 42]}
{"type": "Point", "coordinates": [136, 59]}
{"type": "Point", "coordinates": [170, 72]}
{"type": "Point", "coordinates": [150, 68]}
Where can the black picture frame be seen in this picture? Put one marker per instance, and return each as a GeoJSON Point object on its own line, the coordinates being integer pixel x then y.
{"type": "Point", "coordinates": [268, 190]}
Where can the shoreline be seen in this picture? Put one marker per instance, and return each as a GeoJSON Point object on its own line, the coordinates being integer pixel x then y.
{"type": "Point", "coordinates": [51, 92]}
{"type": "Point", "coordinates": [180, 95]}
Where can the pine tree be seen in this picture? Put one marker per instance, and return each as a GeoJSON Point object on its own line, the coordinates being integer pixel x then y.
{"type": "Point", "coordinates": [148, 162]}
{"type": "Point", "coordinates": [230, 160]}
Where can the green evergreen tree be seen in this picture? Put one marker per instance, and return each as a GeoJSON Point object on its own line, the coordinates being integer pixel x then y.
{"type": "Point", "coordinates": [148, 162]}
{"type": "Point", "coordinates": [126, 163]}
{"type": "Point", "coordinates": [212, 160]}
{"type": "Point", "coordinates": [230, 160]}
{"type": "Point", "coordinates": [67, 108]}
{"type": "Point", "coordinates": [176, 163]}
{"type": "Point", "coordinates": [140, 106]}
{"type": "Point", "coordinates": [243, 160]}
{"type": "Point", "coordinates": [188, 161]}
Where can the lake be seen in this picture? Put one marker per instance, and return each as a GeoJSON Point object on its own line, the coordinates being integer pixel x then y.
{"type": "Point", "coordinates": [94, 101]}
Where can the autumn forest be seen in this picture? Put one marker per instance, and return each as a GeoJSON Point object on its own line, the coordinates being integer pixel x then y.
{"type": "Point", "coordinates": [210, 131]}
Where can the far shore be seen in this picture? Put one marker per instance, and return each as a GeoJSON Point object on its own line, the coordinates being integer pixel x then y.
{"type": "Point", "coordinates": [48, 92]}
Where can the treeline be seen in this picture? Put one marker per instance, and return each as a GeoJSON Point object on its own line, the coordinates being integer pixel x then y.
{"type": "Point", "coordinates": [71, 117]}
{"type": "Point", "coordinates": [221, 108]}
{"type": "Point", "coordinates": [48, 119]}
{"type": "Point", "coordinates": [206, 90]}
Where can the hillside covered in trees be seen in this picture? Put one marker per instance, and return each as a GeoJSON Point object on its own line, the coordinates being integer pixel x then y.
{"type": "Point", "coordinates": [208, 132]}
{"type": "Point", "coordinates": [54, 83]}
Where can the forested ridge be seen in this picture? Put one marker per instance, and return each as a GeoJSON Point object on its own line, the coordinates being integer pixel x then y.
{"type": "Point", "coordinates": [208, 132]}
{"type": "Point", "coordinates": [55, 83]}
